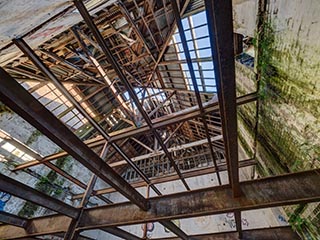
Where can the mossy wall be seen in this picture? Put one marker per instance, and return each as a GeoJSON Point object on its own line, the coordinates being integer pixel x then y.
{"type": "Point", "coordinates": [288, 136]}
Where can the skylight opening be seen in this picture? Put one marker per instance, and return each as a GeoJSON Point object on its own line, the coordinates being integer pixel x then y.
{"type": "Point", "coordinates": [197, 36]}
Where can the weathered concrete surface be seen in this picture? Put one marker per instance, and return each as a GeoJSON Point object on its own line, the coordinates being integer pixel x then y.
{"type": "Point", "coordinates": [37, 12]}
{"type": "Point", "coordinates": [289, 114]}
{"type": "Point", "coordinates": [245, 16]}
{"type": "Point", "coordinates": [290, 108]}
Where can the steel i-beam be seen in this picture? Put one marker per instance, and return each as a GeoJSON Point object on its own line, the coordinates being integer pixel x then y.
{"type": "Point", "coordinates": [23, 103]}
{"type": "Point", "coordinates": [194, 80]}
{"type": "Point", "coordinates": [288, 189]}
{"type": "Point", "coordinates": [219, 16]}
{"type": "Point", "coordinates": [36, 60]}
{"type": "Point", "coordinates": [99, 38]}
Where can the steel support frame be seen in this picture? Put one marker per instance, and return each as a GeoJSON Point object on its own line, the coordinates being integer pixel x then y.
{"type": "Point", "coordinates": [87, 18]}
{"type": "Point", "coordinates": [194, 80]}
{"type": "Point", "coordinates": [23, 103]}
{"type": "Point", "coordinates": [301, 187]}
{"type": "Point", "coordinates": [93, 28]}
{"type": "Point", "coordinates": [30, 194]}
{"type": "Point", "coordinates": [219, 16]}
{"type": "Point", "coordinates": [36, 60]}
{"type": "Point", "coordinates": [178, 117]}
{"type": "Point", "coordinates": [173, 177]}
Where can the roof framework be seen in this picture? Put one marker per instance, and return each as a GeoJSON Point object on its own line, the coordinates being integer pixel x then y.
{"type": "Point", "coordinates": [132, 85]}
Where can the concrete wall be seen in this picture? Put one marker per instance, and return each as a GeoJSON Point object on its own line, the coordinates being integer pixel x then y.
{"type": "Point", "coordinates": [245, 16]}
{"type": "Point", "coordinates": [289, 112]}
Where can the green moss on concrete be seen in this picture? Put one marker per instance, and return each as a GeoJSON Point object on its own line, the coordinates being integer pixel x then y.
{"type": "Point", "coordinates": [33, 137]}
{"type": "Point", "coordinates": [4, 108]}
{"type": "Point", "coordinates": [49, 185]}
{"type": "Point", "coordinates": [288, 130]}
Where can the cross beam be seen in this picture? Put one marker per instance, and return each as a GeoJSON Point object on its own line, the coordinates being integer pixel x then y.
{"type": "Point", "coordinates": [161, 122]}
{"type": "Point", "coordinates": [23, 191]}
{"type": "Point", "coordinates": [23, 103]}
{"type": "Point", "coordinates": [8, 218]}
{"type": "Point", "coordinates": [273, 233]}
{"type": "Point", "coordinates": [294, 188]}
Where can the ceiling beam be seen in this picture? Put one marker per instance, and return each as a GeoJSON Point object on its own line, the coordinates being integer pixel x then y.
{"type": "Point", "coordinates": [8, 218]}
{"type": "Point", "coordinates": [220, 26]}
{"type": "Point", "coordinates": [30, 194]}
{"type": "Point", "coordinates": [24, 104]}
{"type": "Point", "coordinates": [160, 122]}
{"type": "Point", "coordinates": [288, 189]}
{"type": "Point", "coordinates": [273, 233]}
{"type": "Point", "coordinates": [173, 177]}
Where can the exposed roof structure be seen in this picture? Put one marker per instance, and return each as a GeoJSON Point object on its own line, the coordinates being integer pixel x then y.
{"type": "Point", "coordinates": [139, 93]}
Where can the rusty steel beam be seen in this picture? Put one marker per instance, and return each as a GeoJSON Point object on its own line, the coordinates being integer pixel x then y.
{"type": "Point", "coordinates": [120, 233]}
{"type": "Point", "coordinates": [194, 80]}
{"type": "Point", "coordinates": [30, 194]}
{"type": "Point", "coordinates": [288, 189]}
{"type": "Point", "coordinates": [219, 15]}
{"type": "Point", "coordinates": [93, 28]}
{"type": "Point", "coordinates": [173, 177]}
{"type": "Point", "coordinates": [71, 65]}
{"type": "Point", "coordinates": [273, 233]}
{"type": "Point", "coordinates": [175, 229]}
{"type": "Point", "coordinates": [178, 117]}
{"type": "Point", "coordinates": [71, 232]}
{"type": "Point", "coordinates": [22, 45]}
{"type": "Point", "coordinates": [23, 103]}
{"type": "Point", "coordinates": [158, 123]}
{"type": "Point", "coordinates": [11, 219]}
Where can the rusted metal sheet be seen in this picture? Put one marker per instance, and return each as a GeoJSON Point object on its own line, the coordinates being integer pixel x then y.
{"type": "Point", "coordinates": [302, 187]}
{"type": "Point", "coordinates": [23, 103]}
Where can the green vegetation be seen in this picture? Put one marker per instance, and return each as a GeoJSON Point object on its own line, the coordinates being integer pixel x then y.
{"type": "Point", "coordinates": [263, 42]}
{"type": "Point", "coordinates": [49, 185]}
{"type": "Point", "coordinates": [4, 108]}
{"type": "Point", "coordinates": [34, 136]}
